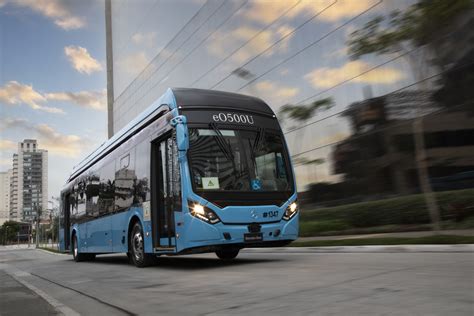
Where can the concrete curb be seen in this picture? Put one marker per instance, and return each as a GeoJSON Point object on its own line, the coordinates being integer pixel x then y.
{"type": "Point", "coordinates": [53, 253]}
{"type": "Point", "coordinates": [367, 249]}
{"type": "Point", "coordinates": [58, 306]}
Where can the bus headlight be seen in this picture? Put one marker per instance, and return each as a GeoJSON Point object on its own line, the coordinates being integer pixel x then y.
{"type": "Point", "coordinates": [290, 211]}
{"type": "Point", "coordinates": [203, 213]}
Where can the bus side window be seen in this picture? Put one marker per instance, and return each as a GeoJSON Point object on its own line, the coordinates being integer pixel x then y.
{"type": "Point", "coordinates": [125, 181]}
{"type": "Point", "coordinates": [92, 194]}
{"type": "Point", "coordinates": [81, 198]}
{"type": "Point", "coordinates": [72, 202]}
{"type": "Point", "coordinates": [142, 167]}
{"type": "Point", "coordinates": [107, 188]}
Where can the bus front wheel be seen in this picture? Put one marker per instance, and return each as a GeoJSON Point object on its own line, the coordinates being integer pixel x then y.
{"type": "Point", "coordinates": [227, 254]}
{"type": "Point", "coordinates": [137, 248]}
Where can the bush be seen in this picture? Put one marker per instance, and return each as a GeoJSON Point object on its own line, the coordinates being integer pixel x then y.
{"type": "Point", "coordinates": [312, 228]}
{"type": "Point", "coordinates": [399, 211]}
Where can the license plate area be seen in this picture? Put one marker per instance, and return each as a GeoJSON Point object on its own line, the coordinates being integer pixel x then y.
{"type": "Point", "coordinates": [253, 237]}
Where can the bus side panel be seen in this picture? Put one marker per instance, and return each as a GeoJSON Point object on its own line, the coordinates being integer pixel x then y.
{"type": "Point", "coordinates": [81, 233]}
{"type": "Point", "coordinates": [120, 224]}
{"type": "Point", "coordinates": [99, 235]}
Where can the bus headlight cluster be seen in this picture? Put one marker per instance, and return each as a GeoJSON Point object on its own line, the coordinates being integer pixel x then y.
{"type": "Point", "coordinates": [290, 211]}
{"type": "Point", "coordinates": [203, 213]}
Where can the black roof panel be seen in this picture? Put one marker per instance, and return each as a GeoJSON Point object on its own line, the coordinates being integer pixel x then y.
{"type": "Point", "coordinates": [188, 98]}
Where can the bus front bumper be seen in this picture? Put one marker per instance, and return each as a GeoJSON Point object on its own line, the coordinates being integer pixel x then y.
{"type": "Point", "coordinates": [198, 234]}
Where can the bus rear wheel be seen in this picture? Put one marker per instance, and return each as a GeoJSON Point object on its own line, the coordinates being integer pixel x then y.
{"type": "Point", "coordinates": [78, 256]}
{"type": "Point", "coordinates": [137, 248]}
{"type": "Point", "coordinates": [227, 254]}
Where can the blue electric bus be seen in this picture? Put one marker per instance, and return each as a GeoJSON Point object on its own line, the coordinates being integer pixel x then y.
{"type": "Point", "coordinates": [198, 171]}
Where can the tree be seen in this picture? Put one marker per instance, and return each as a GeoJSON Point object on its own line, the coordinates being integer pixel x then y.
{"type": "Point", "coordinates": [301, 113]}
{"type": "Point", "coordinates": [418, 26]}
{"type": "Point", "coordinates": [415, 34]}
{"type": "Point", "coordinates": [9, 231]}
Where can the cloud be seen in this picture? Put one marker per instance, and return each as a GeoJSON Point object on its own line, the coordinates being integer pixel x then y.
{"type": "Point", "coordinates": [266, 12]}
{"type": "Point", "coordinates": [344, 9]}
{"type": "Point", "coordinates": [14, 93]}
{"type": "Point", "coordinates": [7, 145]}
{"type": "Point", "coordinates": [328, 77]}
{"type": "Point", "coordinates": [134, 63]}
{"type": "Point", "coordinates": [242, 34]}
{"type": "Point", "coordinates": [6, 162]}
{"type": "Point", "coordinates": [55, 10]}
{"type": "Point", "coordinates": [89, 99]}
{"type": "Point", "coordinates": [56, 143]}
{"type": "Point", "coordinates": [81, 60]}
{"type": "Point", "coordinates": [145, 39]}
{"type": "Point", "coordinates": [273, 90]}
{"type": "Point", "coordinates": [338, 53]}
{"type": "Point", "coordinates": [7, 123]}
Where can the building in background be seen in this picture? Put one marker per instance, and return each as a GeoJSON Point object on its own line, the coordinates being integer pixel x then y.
{"type": "Point", "coordinates": [29, 182]}
{"type": "Point", "coordinates": [359, 145]}
{"type": "Point", "coordinates": [5, 196]}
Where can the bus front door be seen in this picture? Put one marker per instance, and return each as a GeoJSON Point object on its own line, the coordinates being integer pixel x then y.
{"type": "Point", "coordinates": [161, 194]}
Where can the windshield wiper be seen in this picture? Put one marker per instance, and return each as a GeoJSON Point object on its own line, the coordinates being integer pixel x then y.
{"type": "Point", "coordinates": [257, 145]}
{"type": "Point", "coordinates": [223, 145]}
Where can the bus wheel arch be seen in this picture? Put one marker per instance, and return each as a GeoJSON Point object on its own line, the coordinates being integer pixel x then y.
{"type": "Point", "coordinates": [133, 220]}
{"type": "Point", "coordinates": [136, 246]}
{"type": "Point", "coordinates": [76, 254]}
{"type": "Point", "coordinates": [73, 241]}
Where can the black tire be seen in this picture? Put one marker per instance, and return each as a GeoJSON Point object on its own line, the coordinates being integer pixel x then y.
{"type": "Point", "coordinates": [227, 254]}
{"type": "Point", "coordinates": [136, 248]}
{"type": "Point", "coordinates": [79, 257]}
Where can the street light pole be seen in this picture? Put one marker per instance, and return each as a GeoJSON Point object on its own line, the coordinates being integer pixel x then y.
{"type": "Point", "coordinates": [38, 217]}
{"type": "Point", "coordinates": [51, 219]}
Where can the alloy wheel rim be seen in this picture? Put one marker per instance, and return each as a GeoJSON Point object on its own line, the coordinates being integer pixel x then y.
{"type": "Point", "coordinates": [138, 246]}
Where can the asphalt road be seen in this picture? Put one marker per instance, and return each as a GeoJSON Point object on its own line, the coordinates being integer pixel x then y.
{"type": "Point", "coordinates": [256, 283]}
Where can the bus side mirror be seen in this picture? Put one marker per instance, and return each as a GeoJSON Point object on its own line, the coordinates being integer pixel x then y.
{"type": "Point", "coordinates": [182, 140]}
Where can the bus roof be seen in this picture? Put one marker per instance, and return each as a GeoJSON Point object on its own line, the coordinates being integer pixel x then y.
{"type": "Point", "coordinates": [195, 98]}
{"type": "Point", "coordinates": [182, 98]}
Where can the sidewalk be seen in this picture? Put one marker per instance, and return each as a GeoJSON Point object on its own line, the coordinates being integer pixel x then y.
{"type": "Point", "coordinates": [458, 232]}
{"type": "Point", "coordinates": [17, 299]}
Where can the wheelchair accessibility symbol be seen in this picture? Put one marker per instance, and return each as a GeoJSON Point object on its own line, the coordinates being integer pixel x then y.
{"type": "Point", "coordinates": [256, 185]}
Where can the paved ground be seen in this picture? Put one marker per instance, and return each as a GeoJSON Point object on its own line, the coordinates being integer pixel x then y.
{"type": "Point", "coordinates": [17, 299]}
{"type": "Point", "coordinates": [456, 232]}
{"type": "Point", "coordinates": [258, 283]}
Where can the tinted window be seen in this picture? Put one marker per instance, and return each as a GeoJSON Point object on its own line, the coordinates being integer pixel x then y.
{"type": "Point", "coordinates": [125, 181]}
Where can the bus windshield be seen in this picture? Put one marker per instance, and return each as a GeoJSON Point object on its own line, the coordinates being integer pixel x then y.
{"type": "Point", "coordinates": [238, 160]}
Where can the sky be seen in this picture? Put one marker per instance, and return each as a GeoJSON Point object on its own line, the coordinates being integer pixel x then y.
{"type": "Point", "coordinates": [52, 81]}
{"type": "Point", "coordinates": [53, 78]}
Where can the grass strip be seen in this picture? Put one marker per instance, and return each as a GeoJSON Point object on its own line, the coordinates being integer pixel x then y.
{"type": "Point", "coordinates": [427, 240]}
{"type": "Point", "coordinates": [49, 249]}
